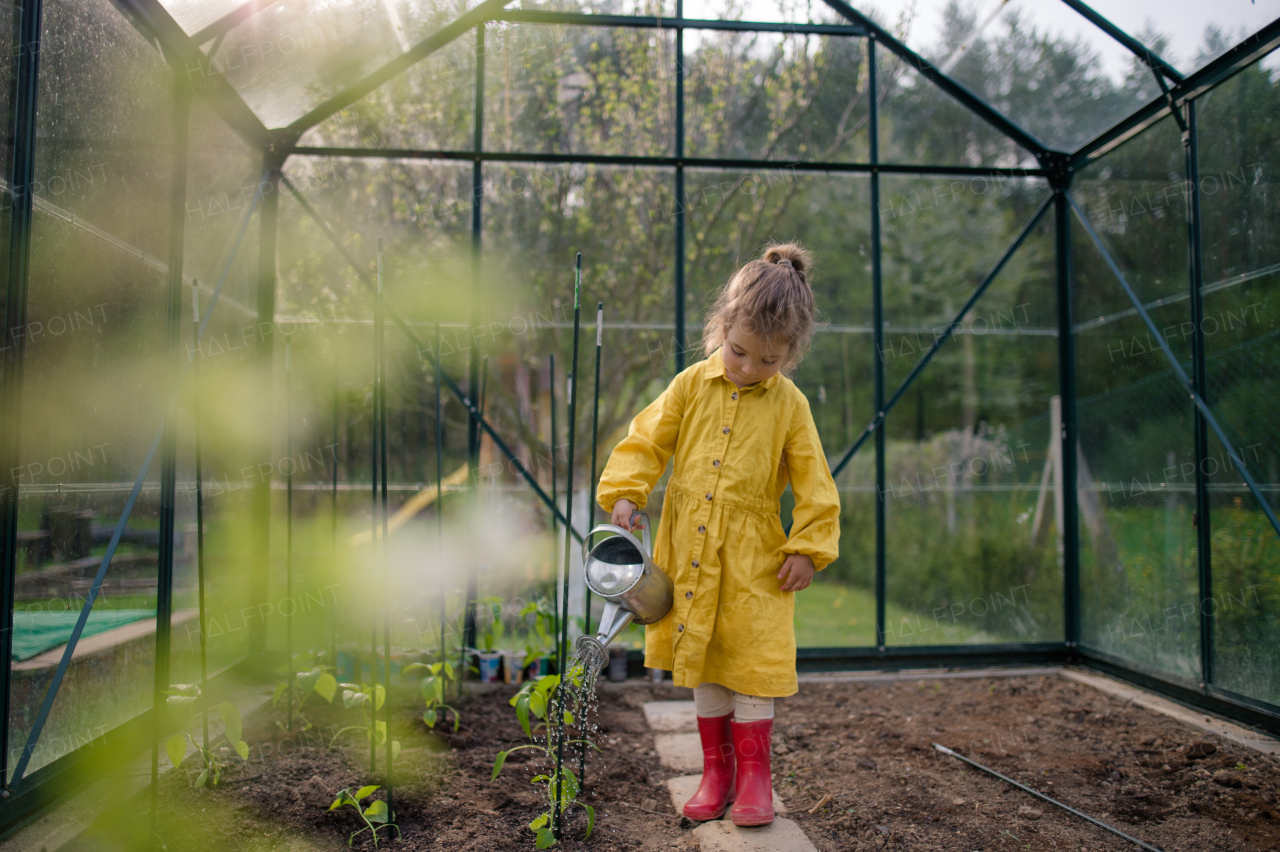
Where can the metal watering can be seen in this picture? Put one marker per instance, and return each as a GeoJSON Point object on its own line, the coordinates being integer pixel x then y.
{"type": "Point", "coordinates": [620, 570]}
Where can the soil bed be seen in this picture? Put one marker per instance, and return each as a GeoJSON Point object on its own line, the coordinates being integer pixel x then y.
{"type": "Point", "coordinates": [443, 799]}
{"type": "Point", "coordinates": [868, 747]}
{"type": "Point", "coordinates": [857, 754]}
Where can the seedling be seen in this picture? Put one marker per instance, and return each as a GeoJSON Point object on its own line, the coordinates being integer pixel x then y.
{"type": "Point", "coordinates": [182, 699]}
{"type": "Point", "coordinates": [318, 680]}
{"type": "Point", "coordinates": [371, 697]}
{"type": "Point", "coordinates": [491, 634]}
{"type": "Point", "coordinates": [433, 688]}
{"type": "Point", "coordinates": [375, 816]}
{"type": "Point", "coordinates": [537, 698]}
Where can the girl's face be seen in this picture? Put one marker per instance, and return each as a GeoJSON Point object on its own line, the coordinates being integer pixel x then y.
{"type": "Point", "coordinates": [749, 358]}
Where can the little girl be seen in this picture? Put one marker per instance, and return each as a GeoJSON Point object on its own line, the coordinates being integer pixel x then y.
{"type": "Point", "coordinates": [740, 432]}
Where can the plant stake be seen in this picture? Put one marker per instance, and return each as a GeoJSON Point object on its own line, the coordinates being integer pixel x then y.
{"type": "Point", "coordinates": [557, 817]}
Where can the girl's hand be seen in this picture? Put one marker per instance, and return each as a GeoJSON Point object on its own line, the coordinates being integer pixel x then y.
{"type": "Point", "coordinates": [796, 573]}
{"type": "Point", "coordinates": [622, 512]}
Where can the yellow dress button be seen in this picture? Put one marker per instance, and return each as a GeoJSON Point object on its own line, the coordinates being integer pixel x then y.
{"type": "Point", "coordinates": [702, 529]}
{"type": "Point", "coordinates": [716, 463]}
{"type": "Point", "coordinates": [708, 496]}
{"type": "Point", "coordinates": [680, 628]}
{"type": "Point", "coordinates": [735, 395]}
{"type": "Point", "coordinates": [726, 430]}
{"type": "Point", "coordinates": [688, 595]}
{"type": "Point", "coordinates": [695, 563]}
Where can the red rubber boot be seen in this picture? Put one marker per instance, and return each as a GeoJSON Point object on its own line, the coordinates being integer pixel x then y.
{"type": "Point", "coordinates": [716, 790]}
{"type": "Point", "coordinates": [751, 746]}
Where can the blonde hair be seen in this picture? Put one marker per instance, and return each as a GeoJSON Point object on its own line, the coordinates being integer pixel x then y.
{"type": "Point", "coordinates": [772, 298]}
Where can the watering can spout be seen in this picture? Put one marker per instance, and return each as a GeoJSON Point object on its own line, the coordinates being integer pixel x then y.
{"type": "Point", "coordinates": [612, 622]}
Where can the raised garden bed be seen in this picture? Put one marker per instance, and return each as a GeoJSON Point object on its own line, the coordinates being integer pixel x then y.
{"type": "Point", "coordinates": [857, 755]}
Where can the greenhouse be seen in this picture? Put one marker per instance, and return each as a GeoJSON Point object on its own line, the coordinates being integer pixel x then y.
{"type": "Point", "coordinates": [327, 323]}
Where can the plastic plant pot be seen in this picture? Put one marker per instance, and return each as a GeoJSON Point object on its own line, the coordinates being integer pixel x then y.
{"type": "Point", "coordinates": [513, 666]}
{"type": "Point", "coordinates": [537, 668]}
{"type": "Point", "coordinates": [489, 665]}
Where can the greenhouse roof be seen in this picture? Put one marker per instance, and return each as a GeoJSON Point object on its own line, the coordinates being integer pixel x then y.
{"type": "Point", "coordinates": [293, 63]}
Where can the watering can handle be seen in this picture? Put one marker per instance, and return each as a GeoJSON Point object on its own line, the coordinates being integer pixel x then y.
{"type": "Point", "coordinates": [632, 520]}
{"type": "Point", "coordinates": [586, 541]}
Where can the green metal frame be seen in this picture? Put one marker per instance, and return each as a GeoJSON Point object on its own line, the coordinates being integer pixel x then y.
{"type": "Point", "coordinates": [277, 144]}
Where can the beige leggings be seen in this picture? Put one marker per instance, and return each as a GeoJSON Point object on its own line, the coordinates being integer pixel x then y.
{"type": "Point", "coordinates": [712, 699]}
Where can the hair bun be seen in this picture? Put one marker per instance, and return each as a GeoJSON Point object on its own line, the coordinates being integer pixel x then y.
{"type": "Point", "coordinates": [788, 254]}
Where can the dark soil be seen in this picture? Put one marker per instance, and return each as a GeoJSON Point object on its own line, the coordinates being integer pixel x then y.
{"type": "Point", "coordinates": [443, 800]}
{"type": "Point", "coordinates": [868, 747]}
{"type": "Point", "coordinates": [857, 754]}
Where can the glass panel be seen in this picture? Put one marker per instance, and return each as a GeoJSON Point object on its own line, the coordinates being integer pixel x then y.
{"type": "Point", "coordinates": [429, 107]}
{"type": "Point", "coordinates": [1189, 34]}
{"type": "Point", "coordinates": [773, 11]}
{"type": "Point", "coordinates": [775, 96]}
{"type": "Point", "coordinates": [290, 57]}
{"type": "Point", "coordinates": [583, 90]}
{"type": "Point", "coordinates": [1136, 485]}
{"type": "Point", "coordinates": [660, 8]}
{"type": "Point", "coordinates": [1049, 70]}
{"type": "Point", "coordinates": [966, 446]}
{"type": "Point", "coordinates": [1241, 283]}
{"type": "Point", "coordinates": [219, 388]}
{"type": "Point", "coordinates": [921, 124]}
{"type": "Point", "coordinates": [195, 15]}
{"type": "Point", "coordinates": [96, 331]}
{"type": "Point", "coordinates": [731, 216]}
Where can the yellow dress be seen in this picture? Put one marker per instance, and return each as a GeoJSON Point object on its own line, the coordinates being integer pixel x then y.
{"type": "Point", "coordinates": [720, 538]}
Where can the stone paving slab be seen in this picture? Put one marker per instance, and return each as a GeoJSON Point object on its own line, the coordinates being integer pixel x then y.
{"type": "Point", "coordinates": [782, 835]}
{"type": "Point", "coordinates": [683, 788]}
{"type": "Point", "coordinates": [679, 752]}
{"type": "Point", "coordinates": [671, 716]}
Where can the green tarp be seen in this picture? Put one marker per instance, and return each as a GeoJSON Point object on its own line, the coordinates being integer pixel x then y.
{"type": "Point", "coordinates": [35, 632]}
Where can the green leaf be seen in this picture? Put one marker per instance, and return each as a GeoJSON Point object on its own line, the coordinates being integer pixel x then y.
{"type": "Point", "coordinates": [343, 798]}
{"type": "Point", "coordinates": [366, 791]}
{"type": "Point", "coordinates": [395, 750]}
{"type": "Point", "coordinates": [522, 714]}
{"type": "Point", "coordinates": [281, 688]}
{"type": "Point", "coordinates": [326, 686]}
{"type": "Point", "coordinates": [242, 749]}
{"type": "Point", "coordinates": [570, 785]}
{"type": "Point", "coordinates": [591, 821]}
{"type": "Point", "coordinates": [430, 717]}
{"type": "Point", "coordinates": [428, 688]}
{"type": "Point", "coordinates": [448, 671]}
{"type": "Point", "coordinates": [540, 822]}
{"type": "Point", "coordinates": [381, 696]}
{"type": "Point", "coordinates": [189, 689]}
{"type": "Point", "coordinates": [352, 698]}
{"type": "Point", "coordinates": [176, 748]}
{"type": "Point", "coordinates": [377, 812]}
{"type": "Point", "coordinates": [568, 718]}
{"type": "Point", "coordinates": [498, 763]}
{"type": "Point", "coordinates": [307, 680]}
{"type": "Point", "coordinates": [231, 721]}
{"type": "Point", "coordinates": [546, 839]}
{"type": "Point", "coordinates": [439, 690]}
{"type": "Point", "coordinates": [204, 777]}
